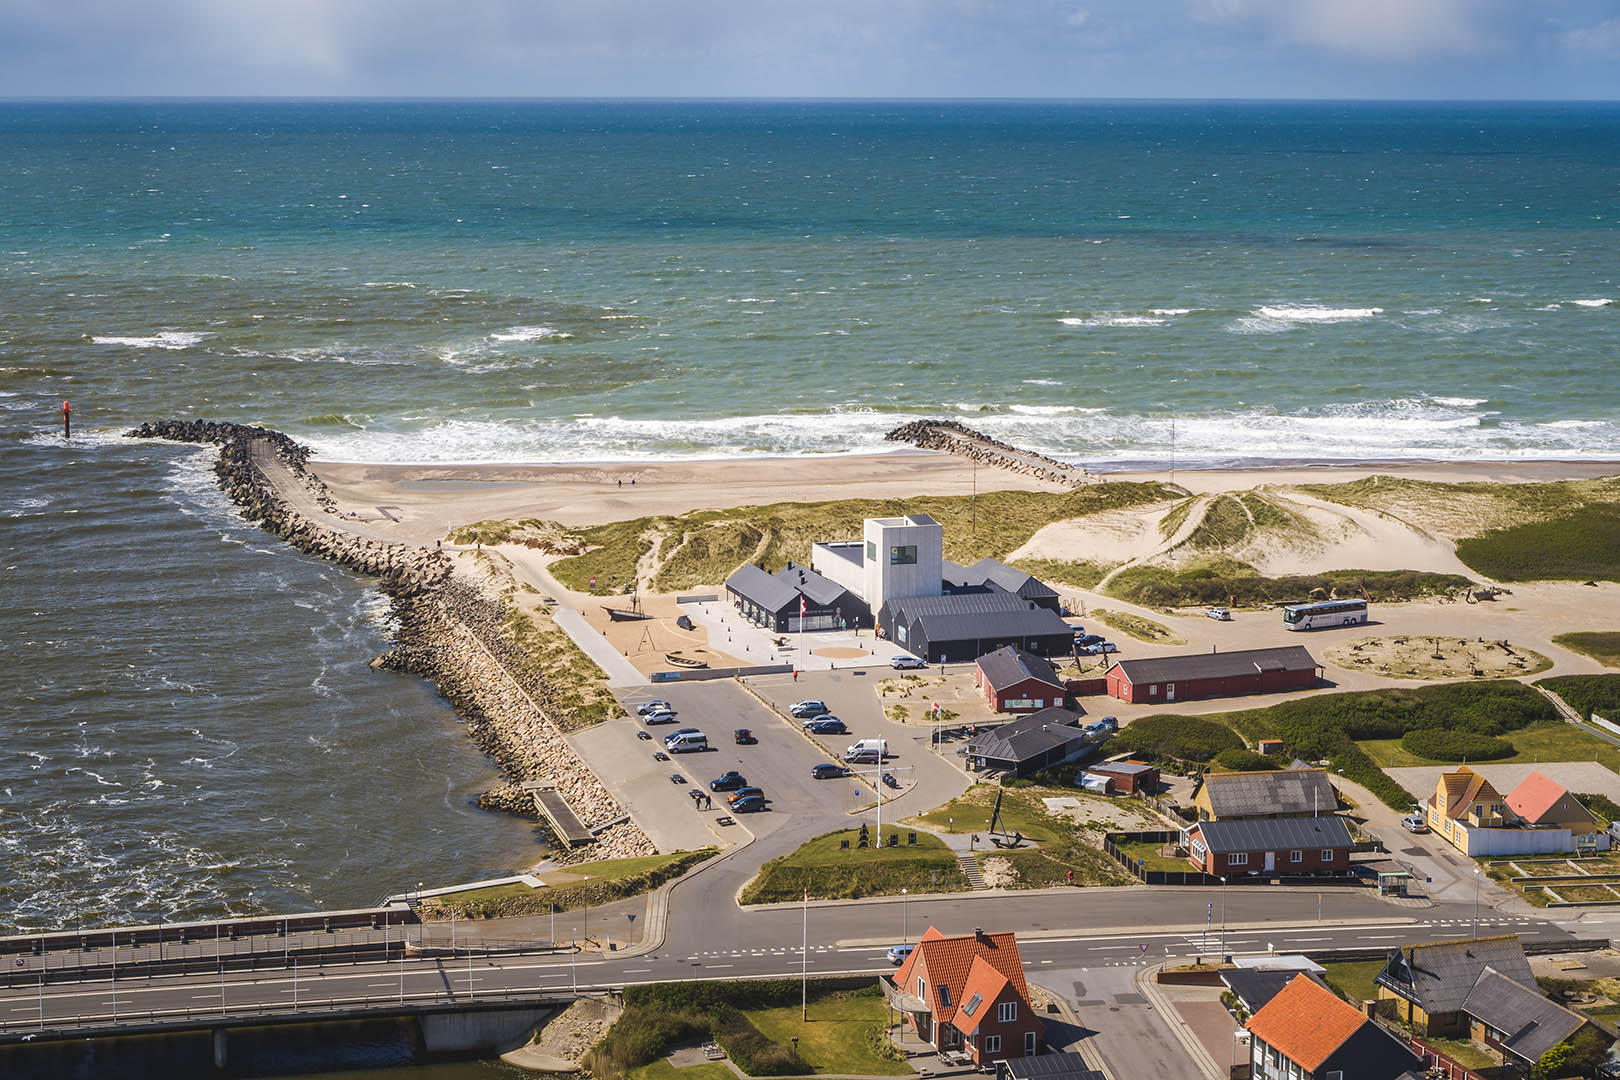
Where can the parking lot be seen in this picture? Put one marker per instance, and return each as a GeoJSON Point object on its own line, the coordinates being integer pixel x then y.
{"type": "Point", "coordinates": [779, 762]}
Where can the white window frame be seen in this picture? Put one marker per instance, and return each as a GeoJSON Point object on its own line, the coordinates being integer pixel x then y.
{"type": "Point", "coordinates": [1006, 1012]}
{"type": "Point", "coordinates": [1296, 856]}
{"type": "Point", "coordinates": [992, 1044]}
{"type": "Point", "coordinates": [1153, 689]}
{"type": "Point", "coordinates": [1238, 858]}
{"type": "Point", "coordinates": [1327, 854]}
{"type": "Point", "coordinates": [1030, 1046]}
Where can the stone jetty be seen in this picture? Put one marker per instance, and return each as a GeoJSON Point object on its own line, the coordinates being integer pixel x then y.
{"type": "Point", "coordinates": [451, 630]}
{"type": "Point", "coordinates": [957, 438]}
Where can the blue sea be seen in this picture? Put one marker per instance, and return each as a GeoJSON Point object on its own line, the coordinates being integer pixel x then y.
{"type": "Point", "coordinates": [189, 722]}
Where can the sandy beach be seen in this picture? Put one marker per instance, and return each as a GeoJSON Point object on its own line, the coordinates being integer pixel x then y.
{"type": "Point", "coordinates": [421, 502]}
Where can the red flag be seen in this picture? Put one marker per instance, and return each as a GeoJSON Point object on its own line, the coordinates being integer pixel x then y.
{"type": "Point", "coordinates": [801, 608]}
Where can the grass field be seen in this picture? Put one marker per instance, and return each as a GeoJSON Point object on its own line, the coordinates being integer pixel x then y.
{"type": "Point", "coordinates": [1139, 628]}
{"type": "Point", "coordinates": [1601, 645]}
{"type": "Point", "coordinates": [835, 1040]}
{"type": "Point", "coordinates": [1149, 855]}
{"type": "Point", "coordinates": [578, 886]}
{"type": "Point", "coordinates": [1353, 979]}
{"type": "Point", "coordinates": [1582, 544]}
{"type": "Point", "coordinates": [578, 695]}
{"type": "Point", "coordinates": [832, 872]}
{"type": "Point", "coordinates": [1064, 847]}
{"type": "Point", "coordinates": [1220, 581]}
{"type": "Point", "coordinates": [1556, 741]}
{"type": "Point", "coordinates": [1082, 575]}
{"type": "Point", "coordinates": [663, 1070]}
{"type": "Point", "coordinates": [1021, 811]}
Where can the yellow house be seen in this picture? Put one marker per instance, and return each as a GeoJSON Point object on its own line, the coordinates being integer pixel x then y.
{"type": "Point", "coordinates": [1463, 801]}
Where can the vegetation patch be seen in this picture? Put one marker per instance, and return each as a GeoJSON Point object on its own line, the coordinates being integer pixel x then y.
{"type": "Point", "coordinates": [578, 694]}
{"type": "Point", "coordinates": [1439, 744]}
{"type": "Point", "coordinates": [1243, 761]}
{"type": "Point", "coordinates": [703, 547]}
{"type": "Point", "coordinates": [585, 885]}
{"type": "Point", "coordinates": [1465, 509]}
{"type": "Point", "coordinates": [1603, 807]}
{"type": "Point", "coordinates": [1430, 656]}
{"type": "Point", "coordinates": [1353, 979]}
{"type": "Point", "coordinates": [1152, 856]}
{"type": "Point", "coordinates": [1330, 726]}
{"type": "Point", "coordinates": [1065, 846]}
{"type": "Point", "coordinates": [1581, 545]}
{"type": "Point", "coordinates": [1176, 517]}
{"type": "Point", "coordinates": [1139, 628]}
{"type": "Point", "coordinates": [832, 872]}
{"type": "Point", "coordinates": [1588, 694]}
{"type": "Point", "coordinates": [1601, 645]}
{"type": "Point", "coordinates": [1230, 583]}
{"type": "Point", "coordinates": [1080, 574]}
{"type": "Point", "coordinates": [1167, 737]}
{"type": "Point", "coordinates": [537, 533]}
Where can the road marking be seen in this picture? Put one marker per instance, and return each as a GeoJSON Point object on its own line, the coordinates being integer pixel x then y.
{"type": "Point", "coordinates": [717, 967]}
{"type": "Point", "coordinates": [636, 971]}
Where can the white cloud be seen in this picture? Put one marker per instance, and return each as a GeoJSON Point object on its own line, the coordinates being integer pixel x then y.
{"type": "Point", "coordinates": [1398, 30]}
{"type": "Point", "coordinates": [1600, 40]}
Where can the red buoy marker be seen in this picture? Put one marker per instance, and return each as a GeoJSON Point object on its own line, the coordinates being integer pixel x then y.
{"type": "Point", "coordinates": [67, 420]}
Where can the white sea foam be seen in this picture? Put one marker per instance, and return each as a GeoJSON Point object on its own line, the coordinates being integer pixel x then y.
{"type": "Point", "coordinates": [1043, 410]}
{"type": "Point", "coordinates": [1272, 318]}
{"type": "Point", "coordinates": [1573, 423]}
{"type": "Point", "coordinates": [391, 285]}
{"type": "Point", "coordinates": [164, 339]}
{"type": "Point", "coordinates": [1459, 402]}
{"type": "Point", "coordinates": [1043, 382]}
{"type": "Point", "coordinates": [529, 333]}
{"type": "Point", "coordinates": [1171, 311]}
{"type": "Point", "coordinates": [1602, 301]}
{"type": "Point", "coordinates": [1114, 320]}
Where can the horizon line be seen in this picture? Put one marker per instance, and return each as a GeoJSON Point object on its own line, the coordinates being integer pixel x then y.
{"type": "Point", "coordinates": [130, 99]}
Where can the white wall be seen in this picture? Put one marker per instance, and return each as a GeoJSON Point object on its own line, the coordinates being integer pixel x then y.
{"type": "Point", "coordinates": [1519, 841]}
{"type": "Point", "coordinates": [836, 568]}
{"type": "Point", "coordinates": [885, 580]}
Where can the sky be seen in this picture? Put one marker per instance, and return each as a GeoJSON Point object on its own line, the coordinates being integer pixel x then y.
{"type": "Point", "coordinates": [1374, 49]}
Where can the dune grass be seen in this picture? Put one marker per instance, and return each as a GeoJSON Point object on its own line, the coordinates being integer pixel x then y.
{"type": "Point", "coordinates": [1581, 545]}
{"type": "Point", "coordinates": [1220, 581]}
{"type": "Point", "coordinates": [831, 872]}
{"type": "Point", "coordinates": [1139, 628]}
{"type": "Point", "coordinates": [1601, 645]}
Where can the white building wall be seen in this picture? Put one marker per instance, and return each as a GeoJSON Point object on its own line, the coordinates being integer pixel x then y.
{"type": "Point", "coordinates": [904, 557]}
{"type": "Point", "coordinates": [836, 568]}
{"type": "Point", "coordinates": [1519, 841]}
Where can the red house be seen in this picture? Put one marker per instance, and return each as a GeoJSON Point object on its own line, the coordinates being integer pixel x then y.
{"type": "Point", "coordinates": [1271, 846]}
{"type": "Point", "coordinates": [1014, 681]}
{"type": "Point", "coordinates": [1216, 674]}
{"type": "Point", "coordinates": [967, 993]}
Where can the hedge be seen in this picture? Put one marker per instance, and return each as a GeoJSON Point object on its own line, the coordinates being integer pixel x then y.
{"type": "Point", "coordinates": [1588, 694]}
{"type": "Point", "coordinates": [1242, 761]}
{"type": "Point", "coordinates": [1439, 744]}
{"type": "Point", "coordinates": [1170, 737]}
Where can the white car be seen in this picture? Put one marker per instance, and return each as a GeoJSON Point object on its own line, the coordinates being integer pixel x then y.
{"type": "Point", "coordinates": [908, 663]}
{"type": "Point", "coordinates": [1414, 823]}
{"type": "Point", "coordinates": [1219, 614]}
{"type": "Point", "coordinates": [647, 707]}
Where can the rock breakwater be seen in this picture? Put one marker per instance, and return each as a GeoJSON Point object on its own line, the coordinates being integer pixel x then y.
{"type": "Point", "coordinates": [953, 437]}
{"type": "Point", "coordinates": [450, 631]}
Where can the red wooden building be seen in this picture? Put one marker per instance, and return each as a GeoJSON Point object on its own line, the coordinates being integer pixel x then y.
{"type": "Point", "coordinates": [1014, 681]}
{"type": "Point", "coordinates": [967, 993]}
{"type": "Point", "coordinates": [1216, 674]}
{"type": "Point", "coordinates": [1271, 846]}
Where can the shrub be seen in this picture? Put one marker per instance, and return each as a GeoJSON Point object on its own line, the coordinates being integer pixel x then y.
{"type": "Point", "coordinates": [1601, 645]}
{"type": "Point", "coordinates": [1588, 694]}
{"type": "Point", "coordinates": [1604, 807]}
{"type": "Point", "coordinates": [1168, 737]}
{"type": "Point", "coordinates": [1439, 744]}
{"type": "Point", "coordinates": [1242, 761]}
{"type": "Point", "coordinates": [1225, 581]}
{"type": "Point", "coordinates": [1582, 544]}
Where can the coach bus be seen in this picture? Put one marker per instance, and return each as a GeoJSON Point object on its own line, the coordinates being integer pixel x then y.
{"type": "Point", "coordinates": [1325, 613]}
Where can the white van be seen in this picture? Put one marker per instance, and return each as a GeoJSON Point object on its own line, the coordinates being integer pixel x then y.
{"type": "Point", "coordinates": [880, 747]}
{"type": "Point", "coordinates": [686, 742]}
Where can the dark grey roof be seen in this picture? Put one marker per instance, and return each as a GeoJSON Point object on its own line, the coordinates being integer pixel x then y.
{"type": "Point", "coordinates": [1533, 1024]}
{"type": "Point", "coordinates": [1218, 665]}
{"type": "Point", "coordinates": [1439, 976]}
{"type": "Point", "coordinates": [993, 572]}
{"type": "Point", "coordinates": [1122, 768]}
{"type": "Point", "coordinates": [1047, 1067]}
{"type": "Point", "coordinates": [766, 590]}
{"type": "Point", "coordinates": [979, 616]}
{"type": "Point", "coordinates": [1010, 665]}
{"type": "Point", "coordinates": [1260, 794]}
{"type": "Point", "coordinates": [1029, 736]}
{"type": "Point", "coordinates": [817, 589]}
{"type": "Point", "coordinates": [1256, 987]}
{"type": "Point", "coordinates": [1274, 834]}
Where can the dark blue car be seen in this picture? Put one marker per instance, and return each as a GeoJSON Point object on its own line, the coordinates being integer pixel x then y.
{"type": "Point", "coordinates": [827, 771]}
{"type": "Point", "coordinates": [730, 781]}
{"type": "Point", "coordinates": [749, 804]}
{"type": "Point", "coordinates": [828, 727]}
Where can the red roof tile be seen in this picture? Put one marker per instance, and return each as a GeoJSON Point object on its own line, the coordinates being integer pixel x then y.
{"type": "Point", "coordinates": [1537, 795]}
{"type": "Point", "coordinates": [946, 961]}
{"type": "Point", "coordinates": [985, 981]}
{"type": "Point", "coordinates": [1306, 1022]}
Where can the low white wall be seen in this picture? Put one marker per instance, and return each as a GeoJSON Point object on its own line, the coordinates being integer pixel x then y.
{"type": "Point", "coordinates": [1519, 841]}
{"type": "Point", "coordinates": [837, 569]}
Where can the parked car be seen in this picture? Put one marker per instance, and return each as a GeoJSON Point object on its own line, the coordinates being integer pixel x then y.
{"type": "Point", "coordinates": [672, 736]}
{"type": "Point", "coordinates": [751, 804]}
{"type": "Point", "coordinates": [728, 781]}
{"type": "Point", "coordinates": [907, 663]}
{"type": "Point", "coordinates": [744, 737]}
{"type": "Point", "coordinates": [1084, 640]}
{"type": "Point", "coordinates": [647, 707]}
{"type": "Point", "coordinates": [830, 726]}
{"type": "Point", "coordinates": [1414, 823]}
{"type": "Point", "coordinates": [644, 735]}
{"type": "Point", "coordinates": [663, 716]}
{"type": "Point", "coordinates": [1099, 649]}
{"type": "Point", "coordinates": [803, 710]}
{"type": "Point", "coordinates": [898, 953]}
{"type": "Point", "coordinates": [827, 771]}
{"type": "Point", "coordinates": [1106, 726]}
{"type": "Point", "coordinates": [745, 793]}
{"type": "Point", "coordinates": [1219, 614]}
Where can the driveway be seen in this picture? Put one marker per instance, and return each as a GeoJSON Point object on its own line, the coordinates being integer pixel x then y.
{"type": "Point", "coordinates": [1442, 872]}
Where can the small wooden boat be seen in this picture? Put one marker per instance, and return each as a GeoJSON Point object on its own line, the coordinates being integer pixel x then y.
{"type": "Point", "coordinates": [685, 661]}
{"type": "Point", "coordinates": [625, 615]}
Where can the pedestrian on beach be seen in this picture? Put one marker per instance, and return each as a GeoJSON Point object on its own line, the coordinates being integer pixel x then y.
{"type": "Point", "coordinates": [621, 482]}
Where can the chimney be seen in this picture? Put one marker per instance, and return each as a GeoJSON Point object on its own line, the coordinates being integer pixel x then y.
{"type": "Point", "coordinates": [978, 932]}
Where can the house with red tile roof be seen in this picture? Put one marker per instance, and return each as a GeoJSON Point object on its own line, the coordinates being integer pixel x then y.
{"type": "Point", "coordinates": [1544, 803]}
{"type": "Point", "coordinates": [966, 993]}
{"type": "Point", "coordinates": [1539, 816]}
{"type": "Point", "coordinates": [1307, 1031]}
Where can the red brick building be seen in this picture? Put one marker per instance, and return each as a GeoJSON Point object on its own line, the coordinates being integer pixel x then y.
{"type": "Point", "coordinates": [1014, 681]}
{"type": "Point", "coordinates": [1217, 674]}
{"type": "Point", "coordinates": [1126, 777]}
{"type": "Point", "coordinates": [967, 993]}
{"type": "Point", "coordinates": [1271, 846]}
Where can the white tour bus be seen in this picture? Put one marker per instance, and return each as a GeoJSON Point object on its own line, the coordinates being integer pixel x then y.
{"type": "Point", "coordinates": [1325, 613]}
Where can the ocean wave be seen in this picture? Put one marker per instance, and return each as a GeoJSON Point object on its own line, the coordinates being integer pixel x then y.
{"type": "Point", "coordinates": [1602, 301]}
{"type": "Point", "coordinates": [1114, 320]}
{"type": "Point", "coordinates": [1171, 311]}
{"type": "Point", "coordinates": [164, 339]}
{"type": "Point", "coordinates": [1459, 402]}
{"type": "Point", "coordinates": [528, 334]}
{"type": "Point", "coordinates": [1273, 318]}
{"type": "Point", "coordinates": [1043, 410]}
{"type": "Point", "coordinates": [391, 285]}
{"type": "Point", "coordinates": [1043, 382]}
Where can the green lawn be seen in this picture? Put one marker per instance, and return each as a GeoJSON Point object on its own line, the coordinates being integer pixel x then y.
{"type": "Point", "coordinates": [1063, 846]}
{"type": "Point", "coordinates": [1541, 742]}
{"type": "Point", "coordinates": [1148, 853]}
{"type": "Point", "coordinates": [1353, 979]}
{"type": "Point", "coordinates": [1021, 811]}
{"type": "Point", "coordinates": [663, 1070]}
{"type": "Point", "coordinates": [1462, 1052]}
{"type": "Point", "coordinates": [1601, 645]}
{"type": "Point", "coordinates": [584, 885]}
{"type": "Point", "coordinates": [608, 869]}
{"type": "Point", "coordinates": [832, 872]}
{"type": "Point", "coordinates": [835, 1040]}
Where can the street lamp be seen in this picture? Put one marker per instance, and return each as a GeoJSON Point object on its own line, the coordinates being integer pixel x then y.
{"type": "Point", "coordinates": [1476, 902]}
{"type": "Point", "coordinates": [1223, 918]}
{"type": "Point", "coordinates": [904, 938]}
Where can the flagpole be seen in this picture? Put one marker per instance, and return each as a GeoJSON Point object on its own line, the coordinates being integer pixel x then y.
{"type": "Point", "coordinates": [802, 609]}
{"type": "Point", "coordinates": [804, 959]}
